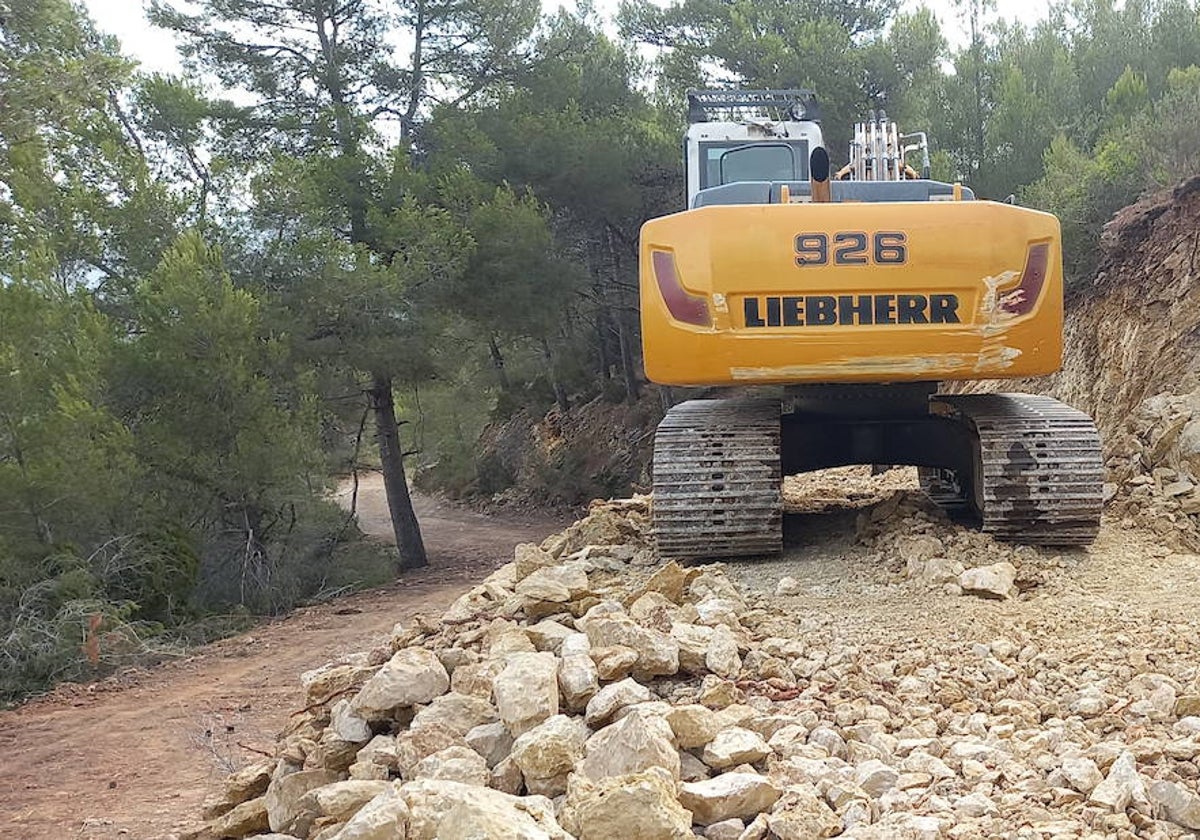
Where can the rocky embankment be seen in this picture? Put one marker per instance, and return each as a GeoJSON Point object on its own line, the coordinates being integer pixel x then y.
{"type": "Point", "coordinates": [587, 691]}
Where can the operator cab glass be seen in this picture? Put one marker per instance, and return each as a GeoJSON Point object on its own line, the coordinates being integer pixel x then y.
{"type": "Point", "coordinates": [758, 162]}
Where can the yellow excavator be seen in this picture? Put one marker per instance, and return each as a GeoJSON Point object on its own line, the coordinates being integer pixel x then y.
{"type": "Point", "coordinates": [848, 297]}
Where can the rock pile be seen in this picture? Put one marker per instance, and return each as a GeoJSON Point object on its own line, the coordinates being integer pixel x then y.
{"type": "Point", "coordinates": [915, 537]}
{"type": "Point", "coordinates": [1155, 466]}
{"type": "Point", "coordinates": [575, 694]}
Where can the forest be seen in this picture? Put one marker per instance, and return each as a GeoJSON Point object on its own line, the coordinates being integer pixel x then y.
{"type": "Point", "coordinates": [356, 232]}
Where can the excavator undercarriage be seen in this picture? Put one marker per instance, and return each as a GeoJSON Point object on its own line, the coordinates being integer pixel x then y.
{"type": "Point", "coordinates": [1027, 467]}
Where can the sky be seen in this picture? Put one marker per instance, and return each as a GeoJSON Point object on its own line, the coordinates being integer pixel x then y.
{"type": "Point", "coordinates": [155, 49]}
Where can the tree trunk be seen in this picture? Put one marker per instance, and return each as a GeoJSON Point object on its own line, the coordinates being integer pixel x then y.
{"type": "Point", "coordinates": [633, 388]}
{"type": "Point", "coordinates": [498, 362]}
{"type": "Point", "coordinates": [666, 397]}
{"type": "Point", "coordinates": [395, 483]}
{"type": "Point", "coordinates": [560, 395]}
{"type": "Point", "coordinates": [602, 326]}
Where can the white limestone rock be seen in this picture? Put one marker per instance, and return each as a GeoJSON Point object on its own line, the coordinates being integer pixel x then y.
{"type": "Point", "coordinates": [411, 677]}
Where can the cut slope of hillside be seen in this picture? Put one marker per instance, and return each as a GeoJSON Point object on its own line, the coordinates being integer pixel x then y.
{"type": "Point", "coordinates": [1134, 332]}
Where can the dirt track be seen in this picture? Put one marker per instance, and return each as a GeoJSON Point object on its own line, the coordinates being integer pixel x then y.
{"type": "Point", "coordinates": [134, 757]}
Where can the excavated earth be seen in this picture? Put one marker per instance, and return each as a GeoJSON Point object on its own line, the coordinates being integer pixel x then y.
{"type": "Point", "coordinates": [909, 677]}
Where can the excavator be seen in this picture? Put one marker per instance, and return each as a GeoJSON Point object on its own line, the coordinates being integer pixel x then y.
{"type": "Point", "coordinates": [834, 304]}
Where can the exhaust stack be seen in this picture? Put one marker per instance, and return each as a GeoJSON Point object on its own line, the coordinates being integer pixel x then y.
{"type": "Point", "coordinates": [818, 175]}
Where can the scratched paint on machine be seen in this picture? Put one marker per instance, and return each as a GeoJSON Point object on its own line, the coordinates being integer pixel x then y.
{"type": "Point", "coordinates": [884, 293]}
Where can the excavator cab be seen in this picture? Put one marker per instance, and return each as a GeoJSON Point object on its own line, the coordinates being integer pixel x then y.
{"type": "Point", "coordinates": [852, 295]}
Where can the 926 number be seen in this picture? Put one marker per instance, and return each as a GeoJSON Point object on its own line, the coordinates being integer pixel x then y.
{"type": "Point", "coordinates": [850, 247]}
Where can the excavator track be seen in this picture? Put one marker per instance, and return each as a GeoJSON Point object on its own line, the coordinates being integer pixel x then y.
{"type": "Point", "coordinates": [1039, 470]}
{"type": "Point", "coordinates": [717, 483]}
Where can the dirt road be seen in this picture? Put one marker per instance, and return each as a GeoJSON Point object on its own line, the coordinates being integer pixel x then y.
{"type": "Point", "coordinates": [134, 757]}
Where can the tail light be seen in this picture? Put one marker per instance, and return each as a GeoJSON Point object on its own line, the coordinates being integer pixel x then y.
{"type": "Point", "coordinates": [1021, 300]}
{"type": "Point", "coordinates": [682, 304]}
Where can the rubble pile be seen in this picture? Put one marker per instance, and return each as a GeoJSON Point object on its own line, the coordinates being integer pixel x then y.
{"type": "Point", "coordinates": [1154, 468]}
{"type": "Point", "coordinates": [909, 533]}
{"type": "Point", "coordinates": [584, 691]}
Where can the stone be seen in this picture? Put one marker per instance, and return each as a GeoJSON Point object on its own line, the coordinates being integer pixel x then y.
{"type": "Point", "coordinates": [875, 778]}
{"type": "Point", "coordinates": [714, 611]}
{"type": "Point", "coordinates": [692, 769]}
{"type": "Point", "coordinates": [284, 793]}
{"type": "Point", "coordinates": [1177, 803]}
{"type": "Point", "coordinates": [828, 740]}
{"type": "Point", "coordinates": [1187, 705]}
{"type": "Point", "coordinates": [757, 829]}
{"type": "Point", "coordinates": [1081, 773]}
{"type": "Point", "coordinates": [717, 693]}
{"type": "Point", "coordinates": [735, 745]}
{"type": "Point", "coordinates": [728, 796]}
{"type": "Point", "coordinates": [440, 810]}
{"type": "Point", "coordinates": [919, 761]}
{"type": "Point", "coordinates": [693, 642]}
{"type": "Point", "coordinates": [722, 655]}
{"type": "Point", "coordinates": [801, 815]}
{"type": "Point", "coordinates": [383, 818]}
{"type": "Point", "coordinates": [527, 559]}
{"type": "Point", "coordinates": [671, 581]}
{"type": "Point", "coordinates": [975, 805]}
{"type": "Point", "coordinates": [725, 830]}
{"type": "Point", "coordinates": [652, 608]}
{"type": "Point", "coordinates": [788, 586]}
{"type": "Point", "coordinates": [249, 817]}
{"type": "Point", "coordinates": [329, 681]}
{"type": "Point", "coordinates": [694, 725]}
{"type": "Point", "coordinates": [507, 639]}
{"type": "Point", "coordinates": [578, 679]}
{"type": "Point", "coordinates": [476, 680]}
{"type": "Point", "coordinates": [637, 806]}
{"type": "Point", "coordinates": [657, 652]}
{"type": "Point", "coordinates": [338, 802]}
{"type": "Point", "coordinates": [507, 777]}
{"type": "Point", "coordinates": [941, 570]}
{"type": "Point", "coordinates": [347, 725]}
{"type": "Point", "coordinates": [634, 743]}
{"type": "Point", "coordinates": [608, 700]}
{"type": "Point", "coordinates": [558, 584]}
{"type": "Point", "coordinates": [375, 761]}
{"type": "Point", "coordinates": [614, 662]}
{"type": "Point", "coordinates": [248, 783]}
{"type": "Point", "coordinates": [411, 677]}
{"type": "Point", "coordinates": [493, 741]}
{"type": "Point", "coordinates": [548, 635]}
{"type": "Point", "coordinates": [997, 581]}
{"type": "Point", "coordinates": [457, 712]}
{"type": "Point", "coordinates": [526, 691]}
{"type": "Point", "coordinates": [548, 752]}
{"type": "Point", "coordinates": [454, 658]}
{"type": "Point", "coordinates": [458, 764]}
{"type": "Point", "coordinates": [414, 745]}
{"type": "Point", "coordinates": [1121, 786]}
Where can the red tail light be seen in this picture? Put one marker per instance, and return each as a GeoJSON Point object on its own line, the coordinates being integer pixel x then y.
{"type": "Point", "coordinates": [1021, 300]}
{"type": "Point", "coordinates": [682, 304]}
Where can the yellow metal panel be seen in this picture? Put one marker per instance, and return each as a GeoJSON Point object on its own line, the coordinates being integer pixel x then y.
{"type": "Point", "coordinates": [935, 281]}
